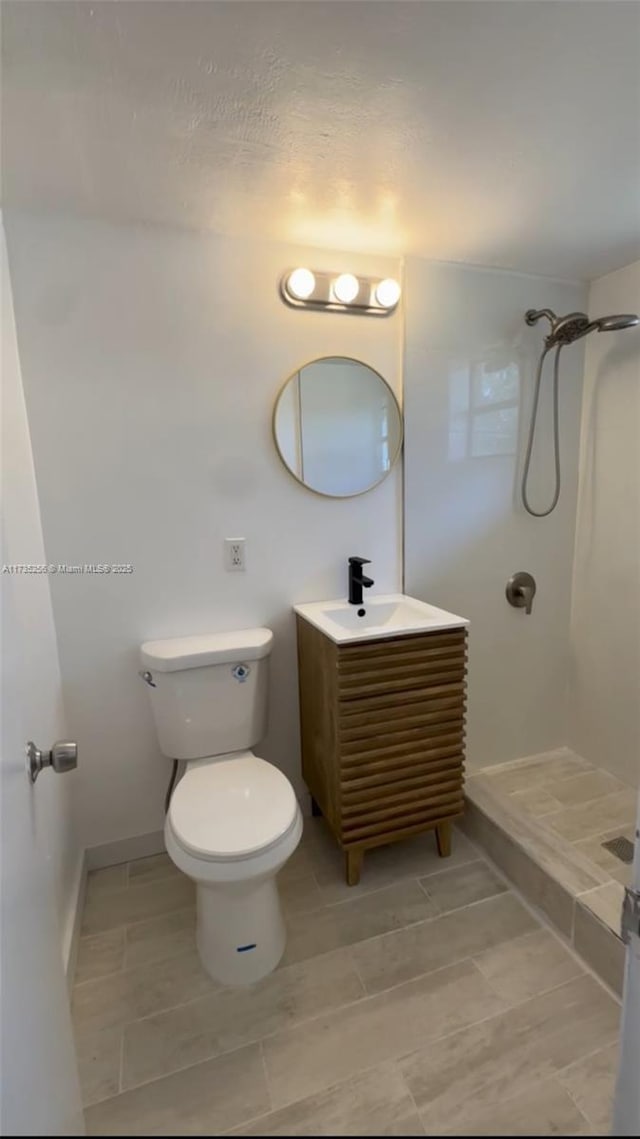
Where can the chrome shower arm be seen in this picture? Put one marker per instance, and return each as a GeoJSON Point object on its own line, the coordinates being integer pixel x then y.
{"type": "Point", "coordinates": [533, 315]}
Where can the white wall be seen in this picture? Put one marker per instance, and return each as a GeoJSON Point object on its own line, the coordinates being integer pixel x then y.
{"type": "Point", "coordinates": [52, 818]}
{"type": "Point", "coordinates": [605, 637]}
{"type": "Point", "coordinates": [466, 530]}
{"type": "Point", "coordinates": [151, 362]}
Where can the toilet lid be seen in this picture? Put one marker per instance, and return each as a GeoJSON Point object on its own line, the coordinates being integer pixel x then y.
{"type": "Point", "coordinates": [230, 808]}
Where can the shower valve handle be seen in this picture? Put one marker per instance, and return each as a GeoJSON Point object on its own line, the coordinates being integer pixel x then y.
{"type": "Point", "coordinates": [520, 591]}
{"type": "Point", "coordinates": [526, 592]}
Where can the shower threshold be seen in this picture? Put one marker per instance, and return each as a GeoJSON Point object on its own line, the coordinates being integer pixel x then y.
{"type": "Point", "coordinates": [549, 822]}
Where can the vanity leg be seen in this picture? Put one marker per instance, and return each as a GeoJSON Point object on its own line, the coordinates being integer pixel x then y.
{"type": "Point", "coordinates": [443, 839]}
{"type": "Point", "coordinates": [315, 810]}
{"type": "Point", "coordinates": [354, 866]}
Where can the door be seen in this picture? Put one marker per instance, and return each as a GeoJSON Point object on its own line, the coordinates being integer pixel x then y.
{"type": "Point", "coordinates": [626, 1115]}
{"type": "Point", "coordinates": [39, 1093]}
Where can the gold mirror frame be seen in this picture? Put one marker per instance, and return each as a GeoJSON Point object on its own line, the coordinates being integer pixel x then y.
{"type": "Point", "coordinates": [392, 458]}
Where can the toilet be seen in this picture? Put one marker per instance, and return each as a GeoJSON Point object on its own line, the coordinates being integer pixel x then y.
{"type": "Point", "coordinates": [233, 819]}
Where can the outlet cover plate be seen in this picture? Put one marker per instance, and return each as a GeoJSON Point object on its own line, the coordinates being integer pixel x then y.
{"type": "Point", "coordinates": [234, 555]}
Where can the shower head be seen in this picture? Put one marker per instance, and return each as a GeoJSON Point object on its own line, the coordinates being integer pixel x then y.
{"type": "Point", "coordinates": [616, 322]}
{"type": "Point", "coordinates": [565, 329]}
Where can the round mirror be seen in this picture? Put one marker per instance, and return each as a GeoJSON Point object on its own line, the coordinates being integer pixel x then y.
{"type": "Point", "coordinates": [337, 426]}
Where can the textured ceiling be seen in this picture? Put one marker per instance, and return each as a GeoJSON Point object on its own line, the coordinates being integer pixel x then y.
{"type": "Point", "coordinates": [503, 134]}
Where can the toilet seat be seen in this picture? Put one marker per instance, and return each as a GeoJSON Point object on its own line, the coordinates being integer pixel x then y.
{"type": "Point", "coordinates": [232, 807]}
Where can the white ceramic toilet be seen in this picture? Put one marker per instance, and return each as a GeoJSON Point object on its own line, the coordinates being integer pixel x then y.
{"type": "Point", "coordinates": [233, 820]}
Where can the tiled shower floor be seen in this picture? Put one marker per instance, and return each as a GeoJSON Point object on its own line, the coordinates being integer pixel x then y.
{"type": "Point", "coordinates": [427, 1000]}
{"type": "Point", "coordinates": [580, 802]}
{"type": "Point", "coordinates": [582, 806]}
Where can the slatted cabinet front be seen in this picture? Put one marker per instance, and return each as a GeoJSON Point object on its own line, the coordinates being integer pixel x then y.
{"type": "Point", "coordinates": [383, 735]}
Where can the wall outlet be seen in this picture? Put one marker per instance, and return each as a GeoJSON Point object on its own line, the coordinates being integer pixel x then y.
{"type": "Point", "coordinates": [234, 560]}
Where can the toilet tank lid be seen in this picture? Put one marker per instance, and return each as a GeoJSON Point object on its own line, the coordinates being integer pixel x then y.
{"type": "Point", "coordinates": [177, 653]}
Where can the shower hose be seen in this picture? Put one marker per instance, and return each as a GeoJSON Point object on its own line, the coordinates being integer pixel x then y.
{"type": "Point", "coordinates": [532, 432]}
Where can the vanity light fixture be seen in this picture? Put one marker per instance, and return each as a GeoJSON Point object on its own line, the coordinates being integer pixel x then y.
{"type": "Point", "coordinates": [340, 292]}
{"type": "Point", "coordinates": [346, 288]}
{"type": "Point", "coordinates": [301, 283]}
{"type": "Point", "coordinates": [388, 293]}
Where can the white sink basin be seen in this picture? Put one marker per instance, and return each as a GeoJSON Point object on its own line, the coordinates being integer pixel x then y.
{"type": "Point", "coordinates": [392, 615]}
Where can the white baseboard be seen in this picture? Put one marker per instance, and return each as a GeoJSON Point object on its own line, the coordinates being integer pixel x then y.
{"type": "Point", "coordinates": [304, 799]}
{"type": "Point", "coordinates": [124, 850]}
{"type": "Point", "coordinates": [143, 845]}
{"type": "Point", "coordinates": [111, 854]}
{"type": "Point", "coordinates": [71, 935]}
{"type": "Point", "coordinates": [94, 858]}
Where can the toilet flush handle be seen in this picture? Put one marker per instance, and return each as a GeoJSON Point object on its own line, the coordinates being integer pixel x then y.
{"type": "Point", "coordinates": [147, 677]}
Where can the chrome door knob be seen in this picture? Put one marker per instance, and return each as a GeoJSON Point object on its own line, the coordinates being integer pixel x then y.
{"type": "Point", "coordinates": [62, 757]}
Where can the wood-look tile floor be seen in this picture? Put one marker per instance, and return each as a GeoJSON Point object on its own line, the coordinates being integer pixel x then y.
{"type": "Point", "coordinates": [427, 1000]}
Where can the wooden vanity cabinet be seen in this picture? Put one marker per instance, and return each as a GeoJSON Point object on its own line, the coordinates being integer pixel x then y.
{"type": "Point", "coordinates": [382, 727]}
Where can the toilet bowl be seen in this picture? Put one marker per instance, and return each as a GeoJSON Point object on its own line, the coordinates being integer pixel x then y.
{"type": "Point", "coordinates": [232, 823]}
{"type": "Point", "coordinates": [233, 819]}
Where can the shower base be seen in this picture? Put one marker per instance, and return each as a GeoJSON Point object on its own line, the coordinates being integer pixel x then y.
{"type": "Point", "coordinates": [548, 821]}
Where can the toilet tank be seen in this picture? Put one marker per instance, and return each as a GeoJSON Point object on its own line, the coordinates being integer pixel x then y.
{"type": "Point", "coordinates": [208, 692]}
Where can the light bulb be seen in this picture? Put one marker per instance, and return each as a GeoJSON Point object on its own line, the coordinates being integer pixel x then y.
{"type": "Point", "coordinates": [301, 283]}
{"type": "Point", "coordinates": [388, 293]}
{"type": "Point", "coordinates": [346, 288]}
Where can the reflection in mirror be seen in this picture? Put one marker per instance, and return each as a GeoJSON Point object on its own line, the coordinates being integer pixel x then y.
{"type": "Point", "coordinates": [337, 426]}
{"type": "Point", "coordinates": [484, 396]}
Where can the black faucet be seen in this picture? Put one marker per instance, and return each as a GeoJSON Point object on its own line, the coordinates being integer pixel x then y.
{"type": "Point", "coordinates": [357, 579]}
